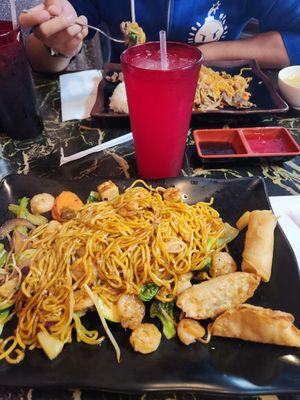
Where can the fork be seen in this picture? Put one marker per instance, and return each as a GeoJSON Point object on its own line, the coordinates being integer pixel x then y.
{"type": "Point", "coordinates": [90, 27]}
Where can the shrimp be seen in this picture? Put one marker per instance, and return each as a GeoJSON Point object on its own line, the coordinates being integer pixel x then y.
{"type": "Point", "coordinates": [175, 245]}
{"type": "Point", "coordinates": [189, 331]}
{"type": "Point", "coordinates": [145, 339]}
{"type": "Point", "coordinates": [41, 203]}
{"type": "Point", "coordinates": [130, 209]}
{"type": "Point", "coordinates": [53, 226]}
{"type": "Point", "coordinates": [131, 311]}
{"type": "Point", "coordinates": [171, 194]}
{"type": "Point", "coordinates": [108, 190]}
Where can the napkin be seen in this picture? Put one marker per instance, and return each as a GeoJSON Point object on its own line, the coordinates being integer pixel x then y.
{"type": "Point", "coordinates": [78, 92]}
{"type": "Point", "coordinates": [287, 209]}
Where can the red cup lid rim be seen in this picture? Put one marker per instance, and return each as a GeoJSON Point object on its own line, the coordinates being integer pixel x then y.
{"type": "Point", "coordinates": [199, 61]}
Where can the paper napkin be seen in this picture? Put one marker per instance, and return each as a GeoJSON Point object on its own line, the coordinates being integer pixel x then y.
{"type": "Point", "coordinates": [78, 92]}
{"type": "Point", "coordinates": [287, 209]}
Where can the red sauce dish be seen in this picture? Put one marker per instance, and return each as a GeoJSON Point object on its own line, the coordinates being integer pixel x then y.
{"type": "Point", "coordinates": [241, 143]}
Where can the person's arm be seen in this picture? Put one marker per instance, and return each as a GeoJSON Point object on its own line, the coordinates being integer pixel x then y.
{"type": "Point", "coordinates": [267, 49]}
{"type": "Point", "coordinates": [279, 43]}
{"type": "Point", "coordinates": [53, 25]}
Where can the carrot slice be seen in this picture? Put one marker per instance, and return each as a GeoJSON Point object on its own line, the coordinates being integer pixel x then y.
{"type": "Point", "coordinates": [67, 200]}
{"type": "Point", "coordinates": [55, 214]}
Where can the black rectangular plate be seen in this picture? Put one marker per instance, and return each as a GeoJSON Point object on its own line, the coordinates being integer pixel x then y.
{"type": "Point", "coordinates": [224, 366]}
{"type": "Point", "coordinates": [264, 94]}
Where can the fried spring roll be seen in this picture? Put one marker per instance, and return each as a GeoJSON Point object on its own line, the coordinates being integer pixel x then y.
{"type": "Point", "coordinates": [257, 324]}
{"type": "Point", "coordinates": [210, 298]}
{"type": "Point", "coordinates": [259, 244]}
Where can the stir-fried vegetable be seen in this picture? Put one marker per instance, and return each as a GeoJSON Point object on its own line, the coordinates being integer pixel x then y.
{"type": "Point", "coordinates": [24, 259]}
{"type": "Point", "coordinates": [148, 291]}
{"type": "Point", "coordinates": [4, 316]}
{"type": "Point", "coordinates": [15, 223]}
{"type": "Point", "coordinates": [3, 255]}
{"type": "Point", "coordinates": [51, 345]}
{"type": "Point", "coordinates": [230, 233]}
{"type": "Point", "coordinates": [164, 312]}
{"type": "Point", "coordinates": [93, 197]}
{"type": "Point", "coordinates": [133, 33]}
{"type": "Point", "coordinates": [34, 219]}
{"type": "Point", "coordinates": [65, 206]}
{"type": "Point", "coordinates": [23, 204]}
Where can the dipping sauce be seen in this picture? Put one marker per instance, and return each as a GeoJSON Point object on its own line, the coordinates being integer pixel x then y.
{"type": "Point", "coordinates": [261, 144]}
{"type": "Point", "coordinates": [293, 80]}
{"type": "Point", "coordinates": [217, 148]}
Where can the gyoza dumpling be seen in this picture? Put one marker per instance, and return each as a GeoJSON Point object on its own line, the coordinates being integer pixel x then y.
{"type": "Point", "coordinates": [257, 324]}
{"type": "Point", "coordinates": [210, 298]}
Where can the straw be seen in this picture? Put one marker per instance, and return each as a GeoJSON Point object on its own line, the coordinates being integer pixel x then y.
{"type": "Point", "coordinates": [132, 7]}
{"type": "Point", "coordinates": [13, 13]}
{"type": "Point", "coordinates": [163, 50]}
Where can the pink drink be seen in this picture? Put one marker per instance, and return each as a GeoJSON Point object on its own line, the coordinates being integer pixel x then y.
{"type": "Point", "coordinates": [19, 113]}
{"type": "Point", "coordinates": [160, 104]}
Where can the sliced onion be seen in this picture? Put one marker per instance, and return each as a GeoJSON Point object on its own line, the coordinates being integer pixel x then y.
{"type": "Point", "coordinates": [17, 242]}
{"type": "Point", "coordinates": [11, 224]}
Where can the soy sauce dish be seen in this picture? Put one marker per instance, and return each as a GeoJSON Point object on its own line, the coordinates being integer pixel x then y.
{"type": "Point", "coordinates": [289, 85]}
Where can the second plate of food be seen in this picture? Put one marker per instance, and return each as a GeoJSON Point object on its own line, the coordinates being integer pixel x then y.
{"type": "Point", "coordinates": [224, 87]}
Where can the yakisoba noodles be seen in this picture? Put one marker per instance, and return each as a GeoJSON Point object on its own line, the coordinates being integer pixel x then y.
{"type": "Point", "coordinates": [111, 247]}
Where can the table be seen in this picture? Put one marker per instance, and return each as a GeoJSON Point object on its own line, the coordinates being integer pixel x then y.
{"type": "Point", "coordinates": [41, 157]}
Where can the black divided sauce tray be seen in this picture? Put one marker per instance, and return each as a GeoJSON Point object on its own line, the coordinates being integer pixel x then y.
{"type": "Point", "coordinates": [224, 366]}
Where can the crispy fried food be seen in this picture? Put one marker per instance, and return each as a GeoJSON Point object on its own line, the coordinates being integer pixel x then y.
{"type": "Point", "coordinates": [210, 298]}
{"type": "Point", "coordinates": [257, 324]}
{"type": "Point", "coordinates": [259, 244]}
{"type": "Point", "coordinates": [222, 263]}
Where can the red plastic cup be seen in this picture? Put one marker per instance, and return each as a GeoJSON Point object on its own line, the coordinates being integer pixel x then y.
{"type": "Point", "coordinates": [19, 113]}
{"type": "Point", "coordinates": [160, 104]}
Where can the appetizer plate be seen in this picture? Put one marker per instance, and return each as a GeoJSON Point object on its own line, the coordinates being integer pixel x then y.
{"type": "Point", "coordinates": [224, 366]}
{"type": "Point", "coordinates": [264, 95]}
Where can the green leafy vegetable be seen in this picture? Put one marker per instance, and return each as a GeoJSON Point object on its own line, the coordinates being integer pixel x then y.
{"type": "Point", "coordinates": [164, 311]}
{"type": "Point", "coordinates": [93, 197]}
{"type": "Point", "coordinates": [207, 265]}
{"type": "Point", "coordinates": [34, 219]}
{"type": "Point", "coordinates": [3, 255]}
{"type": "Point", "coordinates": [148, 291]}
{"type": "Point", "coordinates": [230, 233]}
{"type": "Point", "coordinates": [23, 204]}
{"type": "Point", "coordinates": [3, 319]}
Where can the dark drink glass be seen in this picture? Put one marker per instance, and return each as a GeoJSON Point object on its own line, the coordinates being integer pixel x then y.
{"type": "Point", "coordinates": [19, 114]}
{"type": "Point", "coordinates": [160, 104]}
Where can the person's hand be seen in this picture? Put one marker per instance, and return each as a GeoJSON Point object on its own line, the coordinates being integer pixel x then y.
{"type": "Point", "coordinates": [53, 23]}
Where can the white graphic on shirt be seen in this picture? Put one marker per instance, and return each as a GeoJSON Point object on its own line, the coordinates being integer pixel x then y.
{"type": "Point", "coordinates": [213, 29]}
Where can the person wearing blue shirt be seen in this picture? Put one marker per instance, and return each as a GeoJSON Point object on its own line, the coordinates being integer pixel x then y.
{"type": "Point", "coordinates": [213, 25]}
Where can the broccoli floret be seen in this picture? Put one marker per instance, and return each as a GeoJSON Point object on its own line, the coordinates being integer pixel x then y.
{"type": "Point", "coordinates": [148, 291]}
{"type": "Point", "coordinates": [164, 311]}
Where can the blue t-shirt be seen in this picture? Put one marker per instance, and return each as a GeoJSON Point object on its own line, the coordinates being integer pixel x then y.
{"type": "Point", "coordinates": [197, 21]}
